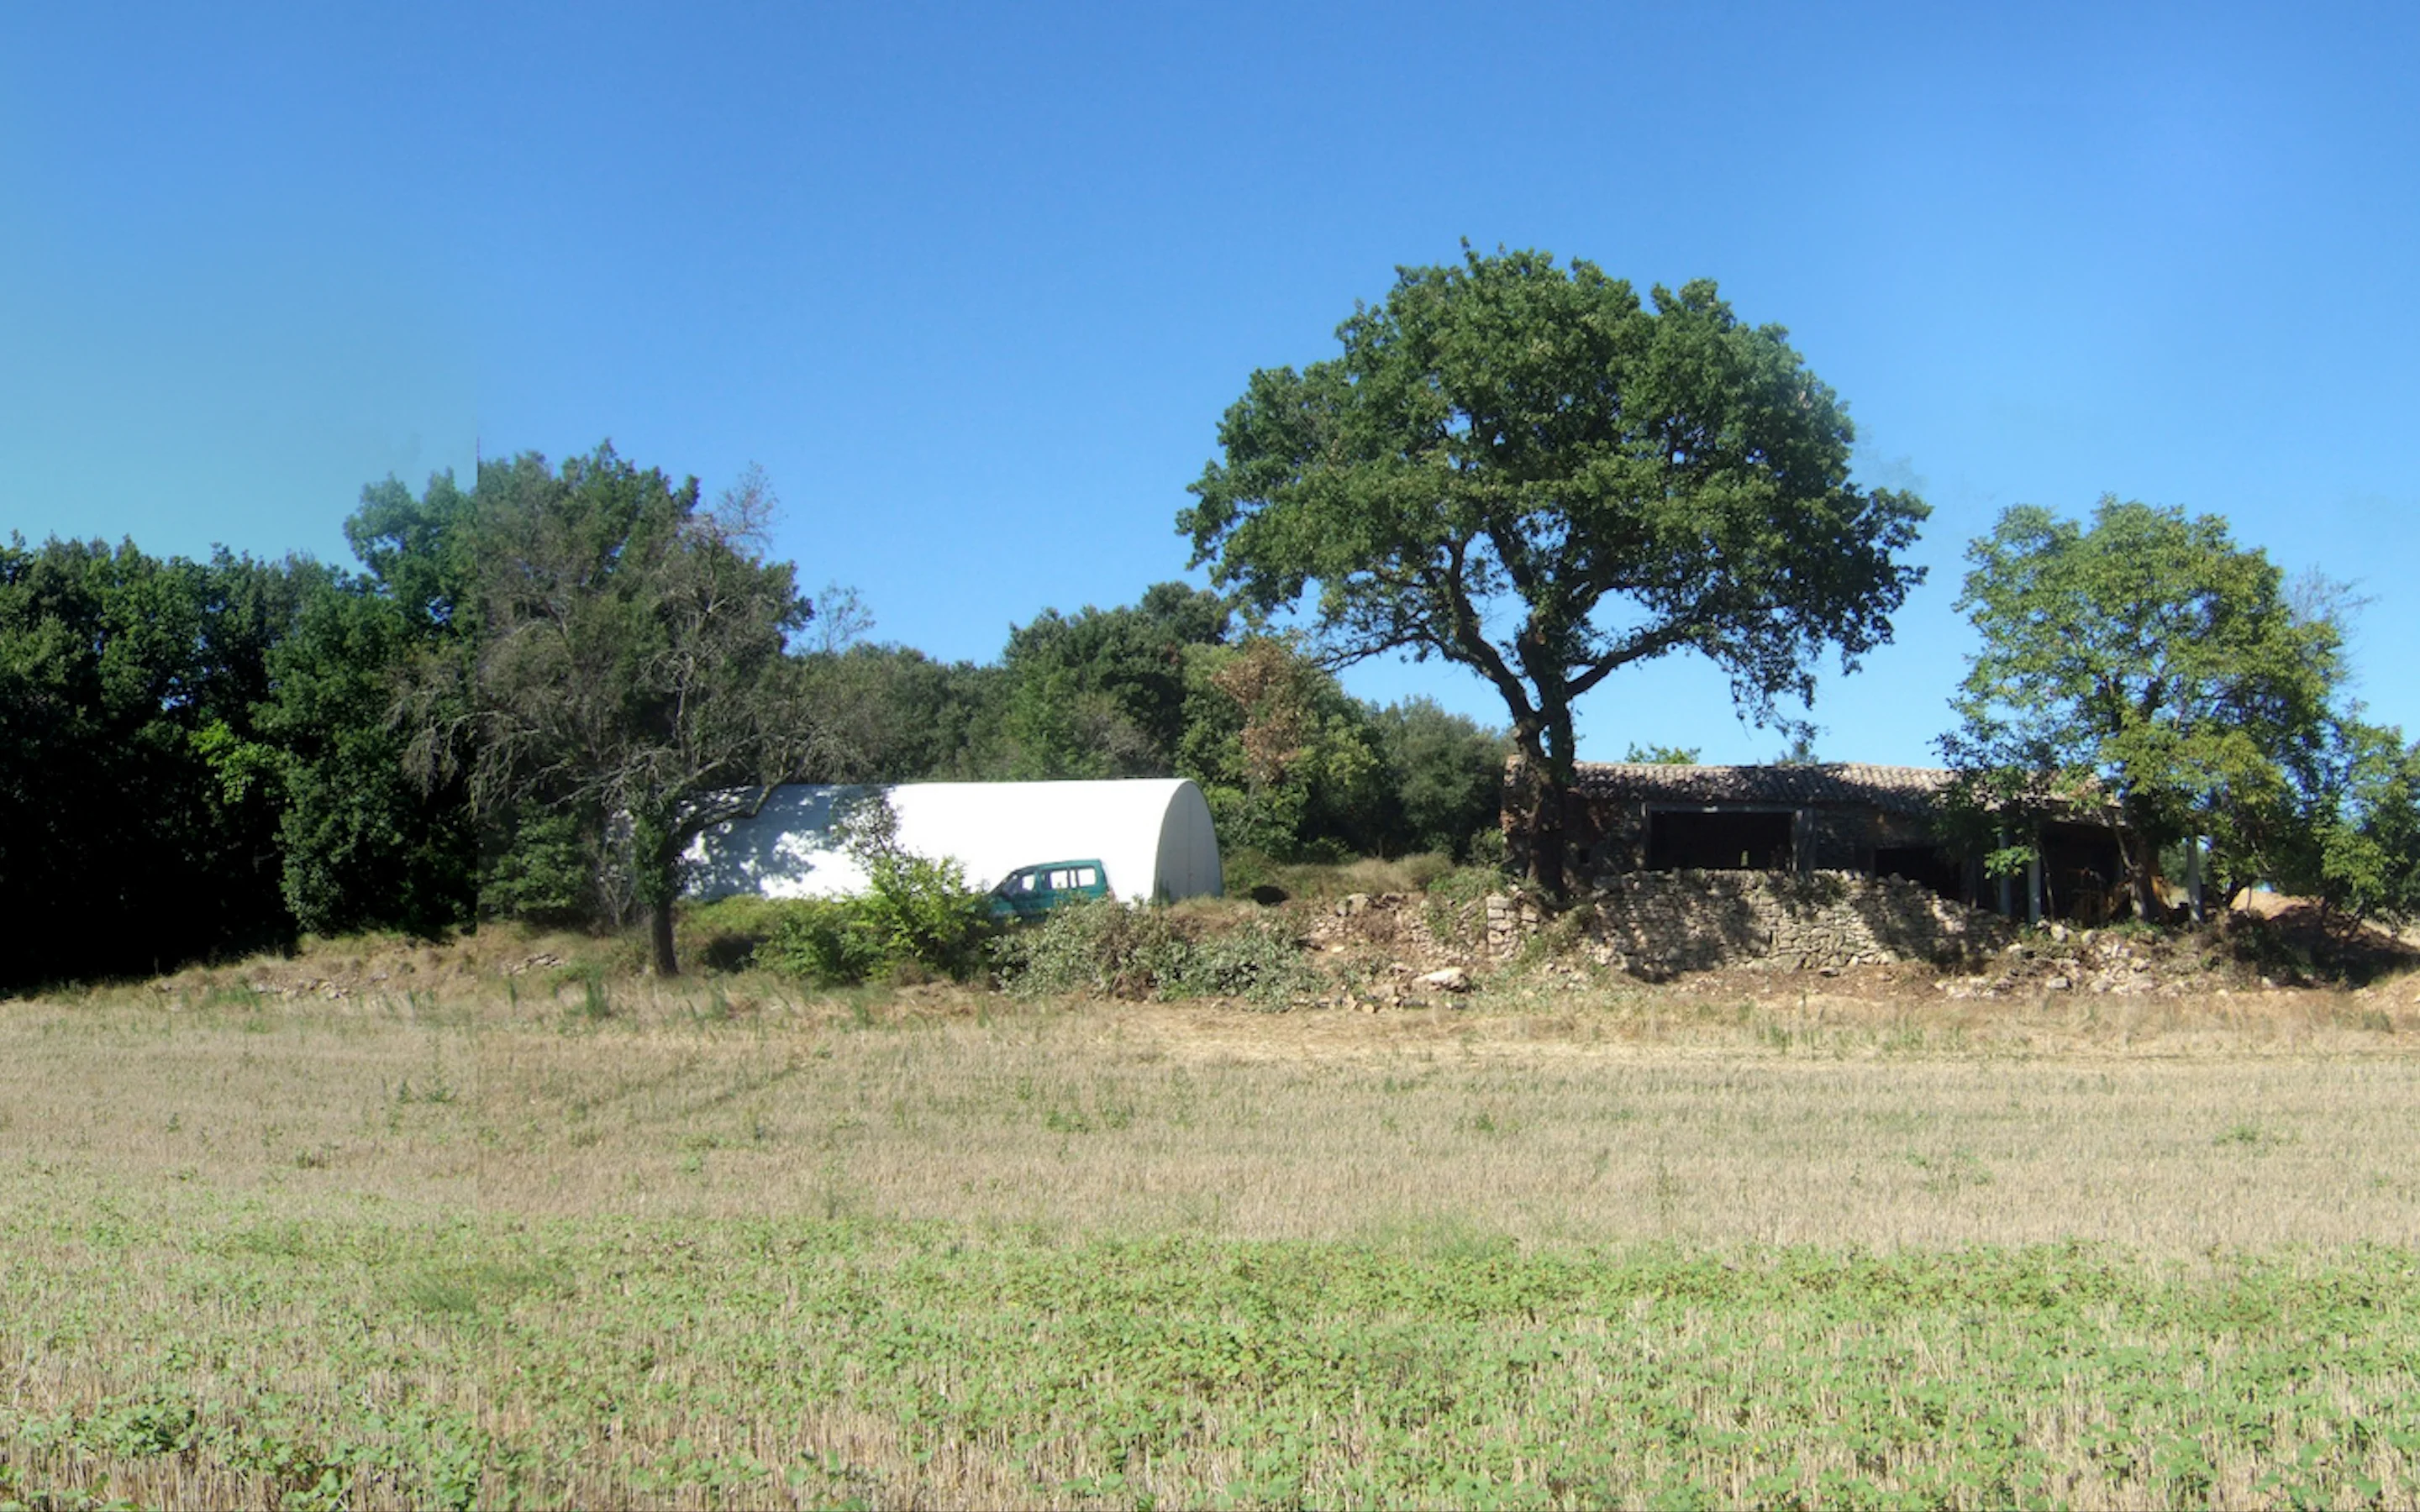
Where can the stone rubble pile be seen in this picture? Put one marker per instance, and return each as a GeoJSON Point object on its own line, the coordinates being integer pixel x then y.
{"type": "Point", "coordinates": [1656, 923]}
{"type": "Point", "coordinates": [2099, 962]}
{"type": "Point", "coordinates": [1382, 953]}
{"type": "Point", "coordinates": [1394, 922]}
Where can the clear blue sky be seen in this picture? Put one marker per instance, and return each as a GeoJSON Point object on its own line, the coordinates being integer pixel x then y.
{"type": "Point", "coordinates": [975, 285]}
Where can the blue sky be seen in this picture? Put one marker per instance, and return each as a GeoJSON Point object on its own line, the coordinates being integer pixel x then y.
{"type": "Point", "coordinates": [974, 286]}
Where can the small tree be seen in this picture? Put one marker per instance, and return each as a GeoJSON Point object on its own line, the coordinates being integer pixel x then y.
{"type": "Point", "coordinates": [1445, 772]}
{"type": "Point", "coordinates": [1285, 757]}
{"type": "Point", "coordinates": [2369, 857]}
{"type": "Point", "coordinates": [2150, 665]}
{"type": "Point", "coordinates": [629, 669]}
{"type": "Point", "coordinates": [1516, 467]}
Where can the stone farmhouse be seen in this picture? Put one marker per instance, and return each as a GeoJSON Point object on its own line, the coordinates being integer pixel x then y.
{"type": "Point", "coordinates": [1844, 817]}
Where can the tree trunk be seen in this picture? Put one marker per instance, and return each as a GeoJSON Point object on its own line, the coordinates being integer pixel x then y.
{"type": "Point", "coordinates": [656, 857]}
{"type": "Point", "coordinates": [1543, 809]}
{"type": "Point", "coordinates": [659, 938]}
{"type": "Point", "coordinates": [1546, 837]}
{"type": "Point", "coordinates": [2135, 849]}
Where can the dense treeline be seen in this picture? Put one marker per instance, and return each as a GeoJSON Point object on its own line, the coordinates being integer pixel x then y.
{"type": "Point", "coordinates": [131, 809]}
{"type": "Point", "coordinates": [534, 691]}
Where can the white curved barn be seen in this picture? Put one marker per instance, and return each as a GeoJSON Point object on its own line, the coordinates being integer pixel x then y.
{"type": "Point", "coordinates": [1151, 837]}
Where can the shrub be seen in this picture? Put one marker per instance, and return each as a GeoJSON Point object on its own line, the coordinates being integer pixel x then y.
{"type": "Point", "coordinates": [922, 911]}
{"type": "Point", "coordinates": [825, 942]}
{"type": "Point", "coordinates": [1107, 948]}
{"type": "Point", "coordinates": [916, 915]}
{"type": "Point", "coordinates": [1099, 945]}
{"type": "Point", "coordinates": [1260, 962]}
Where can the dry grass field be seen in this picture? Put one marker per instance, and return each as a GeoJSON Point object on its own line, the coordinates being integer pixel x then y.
{"type": "Point", "coordinates": [568, 1239]}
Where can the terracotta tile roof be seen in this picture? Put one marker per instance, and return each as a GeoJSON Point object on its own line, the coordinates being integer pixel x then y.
{"type": "Point", "coordinates": [1910, 790]}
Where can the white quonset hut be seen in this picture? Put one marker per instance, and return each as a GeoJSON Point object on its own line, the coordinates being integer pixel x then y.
{"type": "Point", "coordinates": [1151, 837]}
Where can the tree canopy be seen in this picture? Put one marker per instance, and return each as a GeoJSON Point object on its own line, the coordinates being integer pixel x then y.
{"type": "Point", "coordinates": [138, 817]}
{"type": "Point", "coordinates": [631, 676]}
{"type": "Point", "coordinates": [1523, 469]}
{"type": "Point", "coordinates": [2150, 663]}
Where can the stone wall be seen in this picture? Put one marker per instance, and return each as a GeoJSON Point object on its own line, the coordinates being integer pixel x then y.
{"type": "Point", "coordinates": [1654, 923]}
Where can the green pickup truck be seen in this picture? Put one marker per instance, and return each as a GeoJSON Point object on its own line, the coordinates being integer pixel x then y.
{"type": "Point", "coordinates": [1031, 891]}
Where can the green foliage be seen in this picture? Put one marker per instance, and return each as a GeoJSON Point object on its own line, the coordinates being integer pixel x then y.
{"type": "Point", "coordinates": [1099, 945]}
{"type": "Point", "coordinates": [1661, 755]}
{"type": "Point", "coordinates": [1103, 693]}
{"type": "Point", "coordinates": [1445, 772]}
{"type": "Point", "coordinates": [894, 715]}
{"type": "Point", "coordinates": [824, 942]}
{"type": "Point", "coordinates": [1287, 761]}
{"type": "Point", "coordinates": [917, 914]}
{"type": "Point", "coordinates": [1109, 947]}
{"type": "Point", "coordinates": [1518, 468]}
{"type": "Point", "coordinates": [631, 668]}
{"type": "Point", "coordinates": [921, 921]}
{"type": "Point", "coordinates": [139, 808]}
{"type": "Point", "coordinates": [1261, 963]}
{"type": "Point", "coordinates": [2368, 844]}
{"type": "Point", "coordinates": [1444, 1369]}
{"type": "Point", "coordinates": [542, 867]}
{"type": "Point", "coordinates": [2150, 663]}
{"type": "Point", "coordinates": [363, 846]}
{"type": "Point", "coordinates": [921, 910]}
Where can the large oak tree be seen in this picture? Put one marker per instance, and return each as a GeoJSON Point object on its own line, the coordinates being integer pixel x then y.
{"type": "Point", "coordinates": [1523, 469]}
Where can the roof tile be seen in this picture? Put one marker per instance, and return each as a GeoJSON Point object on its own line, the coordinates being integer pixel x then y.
{"type": "Point", "coordinates": [1900, 788]}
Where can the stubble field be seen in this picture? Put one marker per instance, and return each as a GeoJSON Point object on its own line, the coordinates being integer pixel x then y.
{"type": "Point", "coordinates": [1757, 1240]}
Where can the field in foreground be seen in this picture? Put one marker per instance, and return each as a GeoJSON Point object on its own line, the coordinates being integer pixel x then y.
{"type": "Point", "coordinates": [1598, 1244]}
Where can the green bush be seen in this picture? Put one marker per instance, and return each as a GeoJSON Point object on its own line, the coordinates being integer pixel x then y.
{"type": "Point", "coordinates": [1260, 962]}
{"type": "Point", "coordinates": [922, 911]}
{"type": "Point", "coordinates": [1098, 946]}
{"type": "Point", "coordinates": [917, 916]}
{"type": "Point", "coordinates": [541, 872]}
{"type": "Point", "coordinates": [825, 942]}
{"type": "Point", "coordinates": [1109, 948]}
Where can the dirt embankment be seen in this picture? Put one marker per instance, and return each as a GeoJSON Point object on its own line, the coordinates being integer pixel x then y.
{"type": "Point", "coordinates": [1397, 950]}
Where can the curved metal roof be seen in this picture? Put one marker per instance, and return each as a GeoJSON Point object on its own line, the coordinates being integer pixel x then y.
{"type": "Point", "coordinates": [1152, 837]}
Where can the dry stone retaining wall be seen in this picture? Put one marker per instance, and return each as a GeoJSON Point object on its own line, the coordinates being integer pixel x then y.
{"type": "Point", "coordinates": [1654, 923]}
